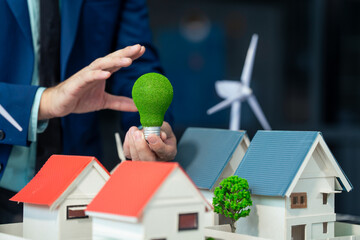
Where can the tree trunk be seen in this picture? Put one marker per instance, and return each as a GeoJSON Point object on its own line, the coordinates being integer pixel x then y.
{"type": "Point", "coordinates": [232, 225]}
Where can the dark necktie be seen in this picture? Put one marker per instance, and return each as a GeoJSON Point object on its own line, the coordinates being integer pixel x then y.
{"type": "Point", "coordinates": [50, 141]}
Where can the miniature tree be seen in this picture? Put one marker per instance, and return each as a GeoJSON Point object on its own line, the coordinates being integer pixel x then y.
{"type": "Point", "coordinates": [232, 199]}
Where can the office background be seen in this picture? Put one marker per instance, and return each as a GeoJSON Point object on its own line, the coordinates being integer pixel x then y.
{"type": "Point", "coordinates": [306, 74]}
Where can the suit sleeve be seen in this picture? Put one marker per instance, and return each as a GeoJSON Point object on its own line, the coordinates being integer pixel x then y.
{"type": "Point", "coordinates": [134, 28]}
{"type": "Point", "coordinates": [18, 101]}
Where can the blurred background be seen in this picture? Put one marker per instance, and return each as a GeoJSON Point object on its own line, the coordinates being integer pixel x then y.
{"type": "Point", "coordinates": [306, 73]}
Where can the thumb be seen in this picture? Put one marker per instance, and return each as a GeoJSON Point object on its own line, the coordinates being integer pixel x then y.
{"type": "Point", "coordinates": [158, 146]}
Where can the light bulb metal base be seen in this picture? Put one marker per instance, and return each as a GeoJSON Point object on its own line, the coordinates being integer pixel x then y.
{"type": "Point", "coordinates": [151, 130]}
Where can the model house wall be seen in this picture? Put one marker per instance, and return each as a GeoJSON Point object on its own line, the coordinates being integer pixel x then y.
{"type": "Point", "coordinates": [267, 218]}
{"type": "Point", "coordinates": [54, 200]}
{"type": "Point", "coordinates": [162, 215]}
{"type": "Point", "coordinates": [37, 219]}
{"type": "Point", "coordinates": [293, 179]}
{"type": "Point", "coordinates": [176, 196]}
{"type": "Point", "coordinates": [106, 228]}
{"type": "Point", "coordinates": [318, 182]}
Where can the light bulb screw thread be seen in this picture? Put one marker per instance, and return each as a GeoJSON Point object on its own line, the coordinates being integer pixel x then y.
{"type": "Point", "coordinates": [151, 130]}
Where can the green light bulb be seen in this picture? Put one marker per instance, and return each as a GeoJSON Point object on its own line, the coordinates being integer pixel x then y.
{"type": "Point", "coordinates": [152, 94]}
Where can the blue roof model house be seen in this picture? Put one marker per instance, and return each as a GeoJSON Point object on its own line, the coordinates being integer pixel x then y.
{"type": "Point", "coordinates": [293, 178]}
{"type": "Point", "coordinates": [210, 155]}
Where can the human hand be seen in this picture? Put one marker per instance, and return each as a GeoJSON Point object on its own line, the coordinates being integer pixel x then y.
{"type": "Point", "coordinates": [85, 90]}
{"type": "Point", "coordinates": [157, 148]}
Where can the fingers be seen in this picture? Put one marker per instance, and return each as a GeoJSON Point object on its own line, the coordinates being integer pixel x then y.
{"type": "Point", "coordinates": [118, 59]}
{"type": "Point", "coordinates": [165, 146]}
{"type": "Point", "coordinates": [93, 75]}
{"type": "Point", "coordinates": [119, 103]}
{"type": "Point", "coordinates": [161, 148]}
{"type": "Point", "coordinates": [136, 147]}
{"type": "Point", "coordinates": [131, 52]}
{"type": "Point", "coordinates": [165, 150]}
{"type": "Point", "coordinates": [129, 145]}
{"type": "Point", "coordinates": [126, 145]}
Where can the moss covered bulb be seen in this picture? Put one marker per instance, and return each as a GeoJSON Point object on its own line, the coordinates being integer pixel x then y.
{"type": "Point", "coordinates": [152, 94]}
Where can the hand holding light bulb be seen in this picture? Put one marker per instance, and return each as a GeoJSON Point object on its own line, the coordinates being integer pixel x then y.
{"type": "Point", "coordinates": [152, 94]}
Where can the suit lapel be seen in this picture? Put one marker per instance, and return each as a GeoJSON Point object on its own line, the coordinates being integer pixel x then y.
{"type": "Point", "coordinates": [21, 13]}
{"type": "Point", "coordinates": [70, 15]}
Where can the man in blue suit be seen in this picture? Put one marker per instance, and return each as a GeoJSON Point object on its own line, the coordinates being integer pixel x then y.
{"type": "Point", "coordinates": [92, 31]}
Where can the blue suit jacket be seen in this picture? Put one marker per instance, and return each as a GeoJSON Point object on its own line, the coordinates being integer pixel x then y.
{"type": "Point", "coordinates": [89, 29]}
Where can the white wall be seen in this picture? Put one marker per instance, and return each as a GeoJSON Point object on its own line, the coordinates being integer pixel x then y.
{"type": "Point", "coordinates": [40, 223]}
{"type": "Point", "coordinates": [110, 229]}
{"type": "Point", "coordinates": [210, 218]}
{"type": "Point", "coordinates": [315, 206]}
{"type": "Point", "coordinates": [74, 228]}
{"type": "Point", "coordinates": [90, 185]}
{"type": "Point", "coordinates": [82, 194]}
{"type": "Point", "coordinates": [317, 177]}
{"type": "Point", "coordinates": [176, 196]}
{"type": "Point", "coordinates": [317, 231]}
{"type": "Point", "coordinates": [266, 219]}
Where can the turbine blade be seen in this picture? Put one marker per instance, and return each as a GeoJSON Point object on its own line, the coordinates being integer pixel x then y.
{"type": "Point", "coordinates": [255, 106]}
{"type": "Point", "coordinates": [224, 104]}
{"type": "Point", "coordinates": [10, 119]}
{"type": "Point", "coordinates": [249, 61]}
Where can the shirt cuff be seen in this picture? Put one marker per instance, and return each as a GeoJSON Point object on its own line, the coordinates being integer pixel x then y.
{"type": "Point", "coordinates": [36, 126]}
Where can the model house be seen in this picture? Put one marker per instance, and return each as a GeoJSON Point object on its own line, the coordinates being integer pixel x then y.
{"type": "Point", "coordinates": [56, 198]}
{"type": "Point", "coordinates": [210, 155]}
{"type": "Point", "coordinates": [293, 178]}
{"type": "Point", "coordinates": [148, 200]}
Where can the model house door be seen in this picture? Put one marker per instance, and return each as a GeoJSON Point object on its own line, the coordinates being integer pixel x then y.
{"type": "Point", "coordinates": [298, 232]}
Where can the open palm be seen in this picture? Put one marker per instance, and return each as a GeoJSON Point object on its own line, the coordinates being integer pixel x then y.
{"type": "Point", "coordinates": [85, 90]}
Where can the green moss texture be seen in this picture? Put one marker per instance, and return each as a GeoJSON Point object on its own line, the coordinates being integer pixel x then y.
{"type": "Point", "coordinates": [152, 94]}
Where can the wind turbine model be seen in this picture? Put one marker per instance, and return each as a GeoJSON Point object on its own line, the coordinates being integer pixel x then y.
{"type": "Point", "coordinates": [10, 119]}
{"type": "Point", "coordinates": [236, 92]}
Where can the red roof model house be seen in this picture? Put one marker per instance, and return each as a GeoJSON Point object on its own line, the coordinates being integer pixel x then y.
{"type": "Point", "coordinates": [148, 200]}
{"type": "Point", "coordinates": [55, 199]}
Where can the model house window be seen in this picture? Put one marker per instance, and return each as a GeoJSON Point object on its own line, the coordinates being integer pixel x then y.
{"type": "Point", "coordinates": [75, 212]}
{"type": "Point", "coordinates": [325, 198]}
{"type": "Point", "coordinates": [188, 221]}
{"type": "Point", "coordinates": [298, 200]}
{"type": "Point", "coordinates": [325, 224]}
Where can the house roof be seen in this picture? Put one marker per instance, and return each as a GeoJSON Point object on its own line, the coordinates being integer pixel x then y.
{"type": "Point", "coordinates": [131, 187]}
{"type": "Point", "coordinates": [274, 158]}
{"type": "Point", "coordinates": [53, 179]}
{"type": "Point", "coordinates": [204, 153]}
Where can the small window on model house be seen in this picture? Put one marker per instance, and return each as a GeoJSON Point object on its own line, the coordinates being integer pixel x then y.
{"type": "Point", "coordinates": [76, 212]}
{"type": "Point", "coordinates": [298, 200]}
{"type": "Point", "coordinates": [325, 198]}
{"type": "Point", "coordinates": [188, 221]}
{"type": "Point", "coordinates": [325, 227]}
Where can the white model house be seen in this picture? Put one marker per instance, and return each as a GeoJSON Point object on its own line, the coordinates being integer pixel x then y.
{"type": "Point", "coordinates": [293, 178]}
{"type": "Point", "coordinates": [56, 198]}
{"type": "Point", "coordinates": [210, 155]}
{"type": "Point", "coordinates": [148, 200]}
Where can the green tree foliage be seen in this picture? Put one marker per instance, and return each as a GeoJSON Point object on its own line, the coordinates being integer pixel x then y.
{"type": "Point", "coordinates": [232, 199]}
